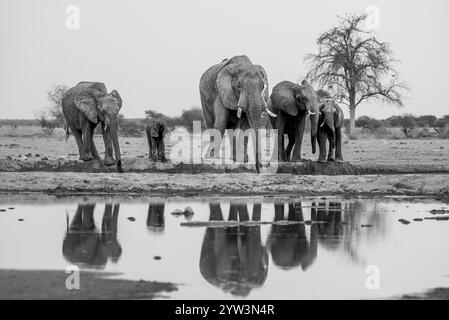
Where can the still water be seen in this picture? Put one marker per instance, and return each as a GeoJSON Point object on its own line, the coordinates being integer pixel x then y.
{"type": "Point", "coordinates": [359, 250]}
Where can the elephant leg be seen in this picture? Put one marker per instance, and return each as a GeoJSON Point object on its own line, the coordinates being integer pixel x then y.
{"type": "Point", "coordinates": [338, 153]}
{"type": "Point", "coordinates": [243, 212]}
{"type": "Point", "coordinates": [88, 221]}
{"type": "Point", "coordinates": [257, 211]}
{"type": "Point", "coordinates": [153, 150]}
{"type": "Point", "coordinates": [221, 119]}
{"type": "Point", "coordinates": [86, 155]}
{"type": "Point", "coordinates": [291, 143]}
{"type": "Point", "coordinates": [331, 153]}
{"type": "Point", "coordinates": [299, 132]}
{"type": "Point", "coordinates": [245, 149]}
{"type": "Point", "coordinates": [278, 211]}
{"type": "Point", "coordinates": [163, 158]}
{"type": "Point", "coordinates": [215, 212]}
{"type": "Point", "coordinates": [322, 138]}
{"type": "Point", "coordinates": [232, 146]}
{"type": "Point", "coordinates": [244, 126]}
{"type": "Point", "coordinates": [159, 150]}
{"type": "Point", "coordinates": [108, 150]}
{"type": "Point", "coordinates": [79, 141]}
{"type": "Point", "coordinates": [94, 148]}
{"type": "Point", "coordinates": [280, 125]}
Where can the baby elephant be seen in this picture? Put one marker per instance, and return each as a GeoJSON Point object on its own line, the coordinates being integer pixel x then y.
{"type": "Point", "coordinates": [155, 134]}
{"type": "Point", "coordinates": [329, 129]}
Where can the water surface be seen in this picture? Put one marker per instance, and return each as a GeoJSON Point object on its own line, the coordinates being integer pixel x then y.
{"type": "Point", "coordinates": [144, 240]}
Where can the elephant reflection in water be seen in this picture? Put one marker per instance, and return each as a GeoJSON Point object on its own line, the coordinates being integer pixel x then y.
{"type": "Point", "coordinates": [234, 258]}
{"type": "Point", "coordinates": [155, 217]}
{"type": "Point", "coordinates": [342, 228]}
{"type": "Point", "coordinates": [83, 243]}
{"type": "Point", "coordinates": [288, 244]}
{"type": "Point", "coordinates": [331, 232]}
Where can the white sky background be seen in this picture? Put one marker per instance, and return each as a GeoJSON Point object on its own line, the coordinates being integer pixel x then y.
{"type": "Point", "coordinates": [154, 52]}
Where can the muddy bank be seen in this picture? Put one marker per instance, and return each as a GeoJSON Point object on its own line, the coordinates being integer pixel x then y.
{"type": "Point", "coordinates": [143, 165]}
{"type": "Point", "coordinates": [23, 284]}
{"type": "Point", "coordinates": [434, 294]}
{"type": "Point", "coordinates": [241, 184]}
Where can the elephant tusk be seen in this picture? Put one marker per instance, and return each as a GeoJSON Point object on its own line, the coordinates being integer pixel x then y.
{"type": "Point", "coordinates": [239, 112]}
{"type": "Point", "coordinates": [270, 113]}
{"type": "Point", "coordinates": [322, 125]}
{"type": "Point", "coordinates": [105, 127]}
{"type": "Point", "coordinates": [311, 113]}
{"type": "Point", "coordinates": [265, 86]}
{"type": "Point", "coordinates": [264, 91]}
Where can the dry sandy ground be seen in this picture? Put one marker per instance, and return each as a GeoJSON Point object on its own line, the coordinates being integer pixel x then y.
{"type": "Point", "coordinates": [398, 152]}
{"type": "Point", "coordinates": [395, 157]}
{"type": "Point", "coordinates": [26, 285]}
{"type": "Point", "coordinates": [224, 184]}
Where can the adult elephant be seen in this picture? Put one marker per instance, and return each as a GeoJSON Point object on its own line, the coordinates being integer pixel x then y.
{"type": "Point", "coordinates": [234, 259]}
{"type": "Point", "coordinates": [233, 95]}
{"type": "Point", "coordinates": [86, 105]}
{"type": "Point", "coordinates": [288, 244]}
{"type": "Point", "coordinates": [292, 103]}
{"type": "Point", "coordinates": [87, 246]}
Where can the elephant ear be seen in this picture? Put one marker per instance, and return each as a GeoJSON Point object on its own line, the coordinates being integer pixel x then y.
{"type": "Point", "coordinates": [224, 84]}
{"type": "Point", "coordinates": [163, 128]}
{"type": "Point", "coordinates": [263, 74]}
{"type": "Point", "coordinates": [339, 117]}
{"type": "Point", "coordinates": [86, 101]}
{"type": "Point", "coordinates": [115, 94]}
{"type": "Point", "coordinates": [283, 98]}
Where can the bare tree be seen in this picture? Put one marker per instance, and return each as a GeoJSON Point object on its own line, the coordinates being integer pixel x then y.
{"type": "Point", "coordinates": [354, 66]}
{"type": "Point", "coordinates": [52, 116]}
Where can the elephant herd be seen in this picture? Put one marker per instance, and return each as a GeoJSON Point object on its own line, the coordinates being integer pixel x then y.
{"type": "Point", "coordinates": [234, 95]}
{"type": "Point", "coordinates": [234, 259]}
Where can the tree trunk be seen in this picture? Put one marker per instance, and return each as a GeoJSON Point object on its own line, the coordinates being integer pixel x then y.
{"type": "Point", "coordinates": [352, 116]}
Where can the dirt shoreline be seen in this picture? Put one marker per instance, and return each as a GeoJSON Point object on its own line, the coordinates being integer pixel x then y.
{"type": "Point", "coordinates": [143, 165]}
{"type": "Point", "coordinates": [44, 284]}
{"type": "Point", "coordinates": [223, 184]}
{"type": "Point", "coordinates": [50, 285]}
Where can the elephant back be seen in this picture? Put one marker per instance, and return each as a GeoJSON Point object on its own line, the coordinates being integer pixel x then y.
{"type": "Point", "coordinates": [93, 85]}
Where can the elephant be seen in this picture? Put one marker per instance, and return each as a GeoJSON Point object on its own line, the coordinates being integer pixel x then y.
{"type": "Point", "coordinates": [155, 134]}
{"type": "Point", "coordinates": [86, 105]}
{"type": "Point", "coordinates": [288, 244]}
{"type": "Point", "coordinates": [155, 217]}
{"type": "Point", "coordinates": [233, 95]}
{"type": "Point", "coordinates": [234, 258]}
{"type": "Point", "coordinates": [292, 102]}
{"type": "Point", "coordinates": [330, 122]}
{"type": "Point", "coordinates": [85, 245]}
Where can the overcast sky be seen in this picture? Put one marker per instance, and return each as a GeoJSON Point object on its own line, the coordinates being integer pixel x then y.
{"type": "Point", "coordinates": [154, 52]}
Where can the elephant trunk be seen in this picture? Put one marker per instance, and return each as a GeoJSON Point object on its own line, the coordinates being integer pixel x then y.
{"type": "Point", "coordinates": [328, 123]}
{"type": "Point", "coordinates": [242, 104]}
{"type": "Point", "coordinates": [313, 130]}
{"type": "Point", "coordinates": [254, 115]}
{"type": "Point", "coordinates": [331, 131]}
{"type": "Point", "coordinates": [115, 142]}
